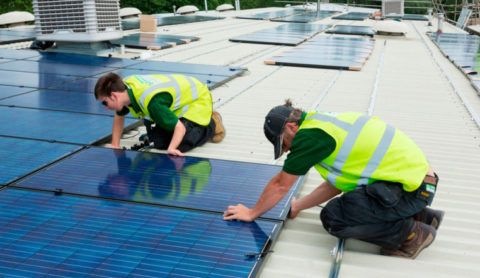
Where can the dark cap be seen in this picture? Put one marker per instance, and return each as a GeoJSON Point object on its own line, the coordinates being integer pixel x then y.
{"type": "Point", "coordinates": [274, 124]}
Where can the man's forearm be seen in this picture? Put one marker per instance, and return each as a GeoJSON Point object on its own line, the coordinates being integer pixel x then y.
{"type": "Point", "coordinates": [321, 194]}
{"type": "Point", "coordinates": [273, 193]}
{"type": "Point", "coordinates": [177, 137]}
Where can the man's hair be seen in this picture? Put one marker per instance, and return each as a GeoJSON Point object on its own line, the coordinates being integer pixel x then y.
{"type": "Point", "coordinates": [296, 114]}
{"type": "Point", "coordinates": [108, 83]}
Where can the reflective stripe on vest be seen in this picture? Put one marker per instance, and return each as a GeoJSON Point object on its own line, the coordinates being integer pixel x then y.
{"type": "Point", "coordinates": [347, 146]}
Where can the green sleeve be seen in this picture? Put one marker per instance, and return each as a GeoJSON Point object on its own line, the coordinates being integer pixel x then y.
{"type": "Point", "coordinates": [309, 146]}
{"type": "Point", "coordinates": [159, 109]}
{"type": "Point", "coordinates": [123, 112]}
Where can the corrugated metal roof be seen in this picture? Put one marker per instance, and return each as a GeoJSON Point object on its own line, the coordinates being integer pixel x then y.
{"type": "Point", "coordinates": [412, 93]}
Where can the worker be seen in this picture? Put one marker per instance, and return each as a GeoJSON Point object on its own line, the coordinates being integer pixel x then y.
{"type": "Point", "coordinates": [387, 182]}
{"type": "Point", "coordinates": [177, 108]}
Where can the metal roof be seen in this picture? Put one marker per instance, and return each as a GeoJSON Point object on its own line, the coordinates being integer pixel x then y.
{"type": "Point", "coordinates": [406, 81]}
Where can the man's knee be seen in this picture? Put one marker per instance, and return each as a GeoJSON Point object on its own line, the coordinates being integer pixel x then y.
{"type": "Point", "coordinates": [331, 217]}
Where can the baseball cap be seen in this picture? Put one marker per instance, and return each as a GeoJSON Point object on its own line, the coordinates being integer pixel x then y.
{"type": "Point", "coordinates": [273, 127]}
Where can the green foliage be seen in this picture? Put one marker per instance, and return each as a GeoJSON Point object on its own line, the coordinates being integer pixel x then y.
{"type": "Point", "coordinates": [15, 5]}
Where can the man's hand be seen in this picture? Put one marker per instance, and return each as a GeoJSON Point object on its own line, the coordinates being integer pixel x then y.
{"type": "Point", "coordinates": [293, 209]}
{"type": "Point", "coordinates": [111, 146]}
{"type": "Point", "coordinates": [238, 212]}
{"type": "Point", "coordinates": [175, 152]}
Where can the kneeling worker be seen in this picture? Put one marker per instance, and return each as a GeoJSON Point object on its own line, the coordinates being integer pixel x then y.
{"type": "Point", "coordinates": [179, 106]}
{"type": "Point", "coordinates": [386, 180]}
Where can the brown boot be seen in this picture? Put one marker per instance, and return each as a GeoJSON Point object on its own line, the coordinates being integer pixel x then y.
{"type": "Point", "coordinates": [219, 128]}
{"type": "Point", "coordinates": [421, 236]}
{"type": "Point", "coordinates": [430, 217]}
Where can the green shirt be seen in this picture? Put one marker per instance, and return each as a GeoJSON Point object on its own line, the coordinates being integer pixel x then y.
{"type": "Point", "coordinates": [159, 109]}
{"type": "Point", "coordinates": [309, 147]}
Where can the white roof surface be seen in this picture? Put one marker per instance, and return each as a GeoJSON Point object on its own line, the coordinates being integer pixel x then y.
{"type": "Point", "coordinates": [416, 89]}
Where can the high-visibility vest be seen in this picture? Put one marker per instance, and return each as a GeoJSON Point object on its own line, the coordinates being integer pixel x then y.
{"type": "Point", "coordinates": [367, 149]}
{"type": "Point", "coordinates": [191, 99]}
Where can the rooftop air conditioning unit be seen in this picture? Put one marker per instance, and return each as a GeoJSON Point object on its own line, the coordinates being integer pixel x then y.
{"type": "Point", "coordinates": [392, 8]}
{"type": "Point", "coordinates": [77, 20]}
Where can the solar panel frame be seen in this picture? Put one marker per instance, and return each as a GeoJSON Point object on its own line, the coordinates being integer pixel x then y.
{"type": "Point", "coordinates": [32, 79]}
{"type": "Point", "coordinates": [58, 235]}
{"type": "Point", "coordinates": [152, 178]}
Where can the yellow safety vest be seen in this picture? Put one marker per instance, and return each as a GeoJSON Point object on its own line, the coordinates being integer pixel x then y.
{"type": "Point", "coordinates": [191, 99]}
{"type": "Point", "coordinates": [367, 149]}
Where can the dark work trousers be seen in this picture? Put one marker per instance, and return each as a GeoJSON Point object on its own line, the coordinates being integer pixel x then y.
{"type": "Point", "coordinates": [358, 215]}
{"type": "Point", "coordinates": [195, 135]}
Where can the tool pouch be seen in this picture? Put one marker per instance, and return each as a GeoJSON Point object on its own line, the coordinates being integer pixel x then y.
{"type": "Point", "coordinates": [386, 193]}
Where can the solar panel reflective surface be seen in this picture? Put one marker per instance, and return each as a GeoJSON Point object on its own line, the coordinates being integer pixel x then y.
{"type": "Point", "coordinates": [54, 68]}
{"type": "Point", "coordinates": [352, 16]}
{"type": "Point", "coordinates": [181, 19]}
{"type": "Point", "coordinates": [288, 34]}
{"type": "Point", "coordinates": [60, 101]}
{"type": "Point", "coordinates": [32, 80]}
{"type": "Point", "coordinates": [8, 91]}
{"type": "Point", "coordinates": [352, 30]}
{"type": "Point", "coordinates": [305, 18]}
{"type": "Point", "coordinates": [196, 183]}
{"type": "Point", "coordinates": [54, 125]}
{"type": "Point", "coordinates": [17, 54]}
{"type": "Point", "coordinates": [153, 41]}
{"type": "Point", "coordinates": [58, 236]}
{"type": "Point", "coordinates": [76, 59]}
{"type": "Point", "coordinates": [275, 14]}
{"type": "Point", "coordinates": [19, 156]}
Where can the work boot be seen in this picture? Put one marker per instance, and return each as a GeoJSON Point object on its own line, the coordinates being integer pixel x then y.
{"type": "Point", "coordinates": [219, 128]}
{"type": "Point", "coordinates": [421, 236]}
{"type": "Point", "coordinates": [430, 217]}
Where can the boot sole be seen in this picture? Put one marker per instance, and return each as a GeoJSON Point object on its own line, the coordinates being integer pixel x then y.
{"type": "Point", "coordinates": [424, 245]}
{"type": "Point", "coordinates": [437, 221]}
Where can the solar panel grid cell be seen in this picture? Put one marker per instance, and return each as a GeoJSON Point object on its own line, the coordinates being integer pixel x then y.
{"type": "Point", "coordinates": [61, 235]}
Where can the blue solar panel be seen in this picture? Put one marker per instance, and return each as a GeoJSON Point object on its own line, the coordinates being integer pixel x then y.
{"type": "Point", "coordinates": [77, 59]}
{"type": "Point", "coordinates": [53, 125]}
{"type": "Point", "coordinates": [43, 235]}
{"type": "Point", "coordinates": [19, 157]}
{"type": "Point", "coordinates": [33, 80]}
{"type": "Point", "coordinates": [59, 100]}
{"type": "Point", "coordinates": [206, 184]}
{"type": "Point", "coordinates": [54, 68]}
{"type": "Point", "coordinates": [8, 91]}
{"type": "Point", "coordinates": [189, 69]}
{"type": "Point", "coordinates": [17, 54]}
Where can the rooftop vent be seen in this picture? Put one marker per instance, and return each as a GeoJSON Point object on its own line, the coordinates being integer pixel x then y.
{"type": "Point", "coordinates": [77, 20]}
{"type": "Point", "coordinates": [392, 8]}
{"type": "Point", "coordinates": [224, 7]}
{"type": "Point", "coordinates": [13, 18]}
{"type": "Point", "coordinates": [129, 12]}
{"type": "Point", "coordinates": [189, 9]}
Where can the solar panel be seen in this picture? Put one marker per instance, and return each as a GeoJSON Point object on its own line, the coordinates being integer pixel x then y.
{"type": "Point", "coordinates": [414, 17]}
{"type": "Point", "coordinates": [54, 68]}
{"type": "Point", "coordinates": [186, 68]}
{"type": "Point", "coordinates": [288, 34]}
{"type": "Point", "coordinates": [275, 14]}
{"type": "Point", "coordinates": [17, 54]}
{"type": "Point", "coordinates": [153, 41]}
{"type": "Point", "coordinates": [182, 19]}
{"type": "Point", "coordinates": [352, 30]}
{"type": "Point", "coordinates": [20, 157]}
{"type": "Point", "coordinates": [327, 52]}
{"type": "Point", "coordinates": [54, 125]}
{"type": "Point", "coordinates": [32, 80]}
{"type": "Point", "coordinates": [129, 24]}
{"type": "Point", "coordinates": [42, 234]}
{"type": "Point", "coordinates": [77, 59]}
{"type": "Point", "coordinates": [187, 182]}
{"type": "Point", "coordinates": [8, 91]}
{"type": "Point", "coordinates": [305, 18]}
{"type": "Point", "coordinates": [352, 16]}
{"type": "Point", "coordinates": [60, 101]}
